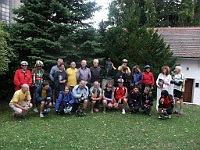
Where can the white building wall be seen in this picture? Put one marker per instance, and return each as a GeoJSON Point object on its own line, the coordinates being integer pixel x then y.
{"type": "Point", "coordinates": [191, 70]}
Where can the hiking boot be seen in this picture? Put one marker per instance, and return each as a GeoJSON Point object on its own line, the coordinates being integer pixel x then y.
{"type": "Point", "coordinates": [35, 110]}
{"type": "Point", "coordinates": [180, 115]}
{"type": "Point", "coordinates": [123, 111]}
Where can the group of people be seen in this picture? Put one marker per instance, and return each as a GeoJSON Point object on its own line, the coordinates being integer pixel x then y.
{"type": "Point", "coordinates": [73, 89]}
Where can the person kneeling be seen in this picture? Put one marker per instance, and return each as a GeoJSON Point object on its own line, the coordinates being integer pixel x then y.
{"type": "Point", "coordinates": [20, 102]}
{"type": "Point", "coordinates": [147, 101]}
{"type": "Point", "coordinates": [43, 96]}
{"type": "Point", "coordinates": [134, 100]}
{"type": "Point", "coordinates": [120, 95]}
{"type": "Point", "coordinates": [81, 93]}
{"type": "Point", "coordinates": [96, 96]}
{"type": "Point", "coordinates": [107, 97]}
{"type": "Point", "coordinates": [165, 107]}
{"type": "Point", "coordinates": [65, 102]}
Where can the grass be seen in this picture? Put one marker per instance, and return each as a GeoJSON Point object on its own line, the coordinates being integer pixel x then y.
{"type": "Point", "coordinates": [112, 131]}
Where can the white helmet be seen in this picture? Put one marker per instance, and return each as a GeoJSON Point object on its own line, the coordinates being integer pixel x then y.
{"type": "Point", "coordinates": [39, 63]}
{"type": "Point", "coordinates": [24, 63]}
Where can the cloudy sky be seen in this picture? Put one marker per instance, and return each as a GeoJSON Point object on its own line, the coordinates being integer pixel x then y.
{"type": "Point", "coordinates": [102, 14]}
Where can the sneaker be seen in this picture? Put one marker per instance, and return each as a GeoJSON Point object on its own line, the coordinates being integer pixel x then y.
{"type": "Point", "coordinates": [14, 116]}
{"type": "Point", "coordinates": [150, 114]}
{"type": "Point", "coordinates": [41, 115]}
{"type": "Point", "coordinates": [169, 116]}
{"type": "Point", "coordinates": [175, 112]}
{"type": "Point", "coordinates": [123, 111]}
{"type": "Point", "coordinates": [159, 117]}
{"type": "Point", "coordinates": [35, 110]}
{"type": "Point", "coordinates": [104, 112]}
{"type": "Point", "coordinates": [180, 115]}
{"type": "Point", "coordinates": [91, 112]}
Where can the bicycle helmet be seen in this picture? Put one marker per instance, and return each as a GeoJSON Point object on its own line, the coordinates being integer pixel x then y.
{"type": "Point", "coordinates": [124, 61]}
{"type": "Point", "coordinates": [39, 63]}
{"type": "Point", "coordinates": [146, 66]}
{"type": "Point", "coordinates": [24, 63]}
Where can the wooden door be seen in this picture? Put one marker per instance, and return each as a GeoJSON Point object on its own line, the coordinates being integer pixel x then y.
{"type": "Point", "coordinates": [187, 95]}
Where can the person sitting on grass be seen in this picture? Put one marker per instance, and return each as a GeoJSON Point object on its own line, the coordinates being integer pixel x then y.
{"type": "Point", "coordinates": [147, 101]}
{"type": "Point", "coordinates": [165, 107]}
{"type": "Point", "coordinates": [107, 97]}
{"type": "Point", "coordinates": [134, 100]}
{"type": "Point", "coordinates": [65, 101]}
{"type": "Point", "coordinates": [120, 95]}
{"type": "Point", "coordinates": [96, 95]}
{"type": "Point", "coordinates": [43, 96]}
{"type": "Point", "coordinates": [81, 93]}
{"type": "Point", "coordinates": [21, 102]}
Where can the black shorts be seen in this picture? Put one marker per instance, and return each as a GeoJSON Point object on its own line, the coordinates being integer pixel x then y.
{"type": "Point", "coordinates": [178, 94]}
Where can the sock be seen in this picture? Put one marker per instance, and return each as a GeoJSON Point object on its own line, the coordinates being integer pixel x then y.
{"type": "Point", "coordinates": [181, 111]}
{"type": "Point", "coordinates": [176, 109]}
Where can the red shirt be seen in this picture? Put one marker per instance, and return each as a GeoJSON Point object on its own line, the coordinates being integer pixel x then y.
{"type": "Point", "coordinates": [148, 78]}
{"type": "Point", "coordinates": [22, 78]}
{"type": "Point", "coordinates": [120, 93]}
{"type": "Point", "coordinates": [167, 102]}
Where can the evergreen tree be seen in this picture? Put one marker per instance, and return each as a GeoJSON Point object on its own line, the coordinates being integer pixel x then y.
{"type": "Point", "coordinates": [6, 52]}
{"type": "Point", "coordinates": [49, 29]}
{"type": "Point", "coordinates": [137, 43]}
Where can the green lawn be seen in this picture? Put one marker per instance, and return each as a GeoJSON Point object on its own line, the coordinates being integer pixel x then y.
{"type": "Point", "coordinates": [101, 131]}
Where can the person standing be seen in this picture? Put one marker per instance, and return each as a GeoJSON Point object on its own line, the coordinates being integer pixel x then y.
{"type": "Point", "coordinates": [136, 77]}
{"type": "Point", "coordinates": [163, 83]}
{"type": "Point", "coordinates": [125, 65]}
{"type": "Point", "coordinates": [60, 79]}
{"type": "Point", "coordinates": [121, 74]}
{"type": "Point", "coordinates": [95, 72]}
{"type": "Point", "coordinates": [54, 69]}
{"type": "Point", "coordinates": [22, 76]}
{"type": "Point", "coordinates": [84, 73]}
{"type": "Point", "coordinates": [178, 81]}
{"type": "Point", "coordinates": [37, 79]}
{"type": "Point", "coordinates": [71, 74]}
{"type": "Point", "coordinates": [21, 102]}
{"type": "Point", "coordinates": [147, 78]}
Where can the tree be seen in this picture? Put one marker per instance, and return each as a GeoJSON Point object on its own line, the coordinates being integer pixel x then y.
{"type": "Point", "coordinates": [6, 52]}
{"type": "Point", "coordinates": [49, 29]}
{"type": "Point", "coordinates": [134, 41]}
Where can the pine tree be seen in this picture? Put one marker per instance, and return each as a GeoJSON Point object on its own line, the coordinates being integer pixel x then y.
{"type": "Point", "coordinates": [49, 29]}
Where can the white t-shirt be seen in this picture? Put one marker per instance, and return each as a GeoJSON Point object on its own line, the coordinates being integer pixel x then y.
{"type": "Point", "coordinates": [179, 77]}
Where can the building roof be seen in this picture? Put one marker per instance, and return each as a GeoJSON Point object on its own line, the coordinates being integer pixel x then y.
{"type": "Point", "coordinates": [183, 41]}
